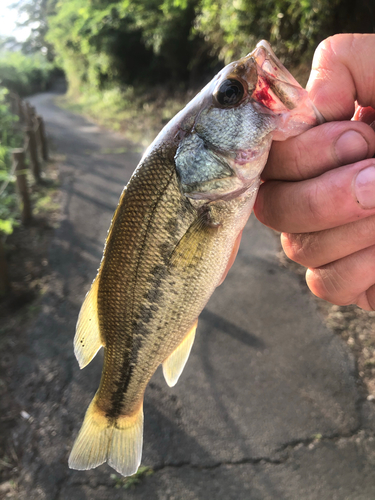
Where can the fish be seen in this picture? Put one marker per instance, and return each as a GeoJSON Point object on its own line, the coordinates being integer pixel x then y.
{"type": "Point", "coordinates": [173, 236]}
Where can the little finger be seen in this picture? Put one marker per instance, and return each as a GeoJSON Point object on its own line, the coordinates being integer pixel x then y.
{"type": "Point", "coordinates": [344, 281]}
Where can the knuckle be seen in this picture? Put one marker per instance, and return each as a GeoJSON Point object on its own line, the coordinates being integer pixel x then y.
{"type": "Point", "coordinates": [370, 296]}
{"type": "Point", "coordinates": [329, 48]}
{"type": "Point", "coordinates": [364, 231]}
{"type": "Point", "coordinates": [326, 283]}
{"type": "Point", "coordinates": [325, 46]}
{"type": "Point", "coordinates": [300, 155]}
{"type": "Point", "coordinates": [297, 246]}
{"type": "Point", "coordinates": [316, 210]}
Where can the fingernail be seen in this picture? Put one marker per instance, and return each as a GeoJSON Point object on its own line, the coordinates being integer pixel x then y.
{"type": "Point", "coordinates": [365, 187]}
{"type": "Point", "coordinates": [350, 147]}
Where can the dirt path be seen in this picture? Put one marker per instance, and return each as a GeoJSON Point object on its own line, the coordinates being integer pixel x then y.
{"type": "Point", "coordinates": [268, 407]}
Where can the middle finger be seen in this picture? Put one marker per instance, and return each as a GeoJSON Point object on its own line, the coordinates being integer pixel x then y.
{"type": "Point", "coordinates": [334, 198]}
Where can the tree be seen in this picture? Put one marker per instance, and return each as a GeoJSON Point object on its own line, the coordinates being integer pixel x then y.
{"type": "Point", "coordinates": [37, 13]}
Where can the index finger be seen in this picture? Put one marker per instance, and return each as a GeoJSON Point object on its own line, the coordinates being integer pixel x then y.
{"type": "Point", "coordinates": [343, 71]}
{"type": "Point", "coordinates": [318, 150]}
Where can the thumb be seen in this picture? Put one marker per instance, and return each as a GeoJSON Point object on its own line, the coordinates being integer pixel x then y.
{"type": "Point", "coordinates": [343, 71]}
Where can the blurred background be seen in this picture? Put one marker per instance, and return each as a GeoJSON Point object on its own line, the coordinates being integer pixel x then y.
{"type": "Point", "coordinates": [115, 50]}
{"type": "Point", "coordinates": [276, 401]}
{"type": "Point", "coordinates": [121, 56]}
{"type": "Point", "coordinates": [132, 64]}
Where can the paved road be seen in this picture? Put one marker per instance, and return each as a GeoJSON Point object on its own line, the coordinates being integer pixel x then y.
{"type": "Point", "coordinates": [268, 406]}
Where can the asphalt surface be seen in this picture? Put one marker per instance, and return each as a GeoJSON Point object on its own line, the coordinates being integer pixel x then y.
{"type": "Point", "coordinates": [269, 405]}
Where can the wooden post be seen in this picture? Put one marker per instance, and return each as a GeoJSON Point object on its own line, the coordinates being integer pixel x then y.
{"type": "Point", "coordinates": [13, 103]}
{"type": "Point", "coordinates": [29, 114]}
{"type": "Point", "coordinates": [37, 137]}
{"type": "Point", "coordinates": [20, 171]}
{"type": "Point", "coordinates": [33, 152]}
{"type": "Point", "coordinates": [19, 108]}
{"type": "Point", "coordinates": [24, 112]}
{"type": "Point", "coordinates": [4, 276]}
{"type": "Point", "coordinates": [43, 138]}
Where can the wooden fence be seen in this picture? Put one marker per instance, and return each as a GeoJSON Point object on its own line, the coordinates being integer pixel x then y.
{"type": "Point", "coordinates": [35, 148]}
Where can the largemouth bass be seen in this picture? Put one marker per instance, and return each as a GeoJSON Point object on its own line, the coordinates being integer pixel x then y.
{"type": "Point", "coordinates": [174, 233]}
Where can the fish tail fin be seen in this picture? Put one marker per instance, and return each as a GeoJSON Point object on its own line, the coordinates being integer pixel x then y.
{"type": "Point", "coordinates": [91, 446]}
{"type": "Point", "coordinates": [125, 451]}
{"type": "Point", "coordinates": [118, 442]}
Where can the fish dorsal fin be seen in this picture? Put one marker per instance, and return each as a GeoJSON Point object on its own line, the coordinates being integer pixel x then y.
{"type": "Point", "coordinates": [175, 363]}
{"type": "Point", "coordinates": [87, 340]}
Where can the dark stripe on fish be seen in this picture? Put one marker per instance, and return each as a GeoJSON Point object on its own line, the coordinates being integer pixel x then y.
{"type": "Point", "coordinates": [140, 331]}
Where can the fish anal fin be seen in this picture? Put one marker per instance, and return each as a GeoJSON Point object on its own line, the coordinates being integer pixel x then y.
{"type": "Point", "coordinates": [175, 363]}
{"type": "Point", "coordinates": [118, 441]}
{"type": "Point", "coordinates": [88, 340]}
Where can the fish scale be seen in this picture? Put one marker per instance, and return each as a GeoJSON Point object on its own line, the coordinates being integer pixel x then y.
{"type": "Point", "coordinates": [172, 239]}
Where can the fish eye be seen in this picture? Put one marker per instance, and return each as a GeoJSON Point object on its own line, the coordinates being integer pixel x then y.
{"type": "Point", "coordinates": [229, 93]}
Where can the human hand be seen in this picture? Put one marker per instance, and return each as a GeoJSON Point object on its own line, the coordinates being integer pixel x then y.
{"type": "Point", "coordinates": [319, 188]}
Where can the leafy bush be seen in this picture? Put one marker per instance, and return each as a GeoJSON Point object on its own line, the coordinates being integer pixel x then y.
{"type": "Point", "coordinates": [293, 27]}
{"type": "Point", "coordinates": [104, 44]}
{"type": "Point", "coordinates": [10, 138]}
{"type": "Point", "coordinates": [24, 74]}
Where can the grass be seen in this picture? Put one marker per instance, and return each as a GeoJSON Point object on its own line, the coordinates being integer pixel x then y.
{"type": "Point", "coordinates": [45, 204]}
{"type": "Point", "coordinates": [139, 116]}
{"type": "Point", "coordinates": [132, 481]}
{"type": "Point", "coordinates": [44, 196]}
{"type": "Point", "coordinates": [6, 462]}
{"type": "Point", "coordinates": [27, 254]}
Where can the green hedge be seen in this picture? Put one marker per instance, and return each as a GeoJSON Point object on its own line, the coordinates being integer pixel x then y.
{"type": "Point", "coordinates": [10, 138]}
{"type": "Point", "coordinates": [103, 44]}
{"type": "Point", "coordinates": [25, 74]}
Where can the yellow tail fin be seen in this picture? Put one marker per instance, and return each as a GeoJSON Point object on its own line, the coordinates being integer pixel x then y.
{"type": "Point", "coordinates": [100, 440]}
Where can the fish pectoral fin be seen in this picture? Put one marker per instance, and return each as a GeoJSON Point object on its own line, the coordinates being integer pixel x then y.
{"type": "Point", "coordinates": [87, 340]}
{"type": "Point", "coordinates": [192, 246]}
{"type": "Point", "coordinates": [118, 442]}
{"type": "Point", "coordinates": [175, 363]}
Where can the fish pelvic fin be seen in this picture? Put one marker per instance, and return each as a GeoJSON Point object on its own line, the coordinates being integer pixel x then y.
{"type": "Point", "coordinates": [87, 340]}
{"type": "Point", "coordinates": [116, 441]}
{"type": "Point", "coordinates": [175, 363]}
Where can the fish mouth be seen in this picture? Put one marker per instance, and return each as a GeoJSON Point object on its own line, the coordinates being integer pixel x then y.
{"type": "Point", "coordinates": [276, 88]}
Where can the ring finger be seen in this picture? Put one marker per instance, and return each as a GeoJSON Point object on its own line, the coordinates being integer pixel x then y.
{"type": "Point", "coordinates": [320, 248]}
